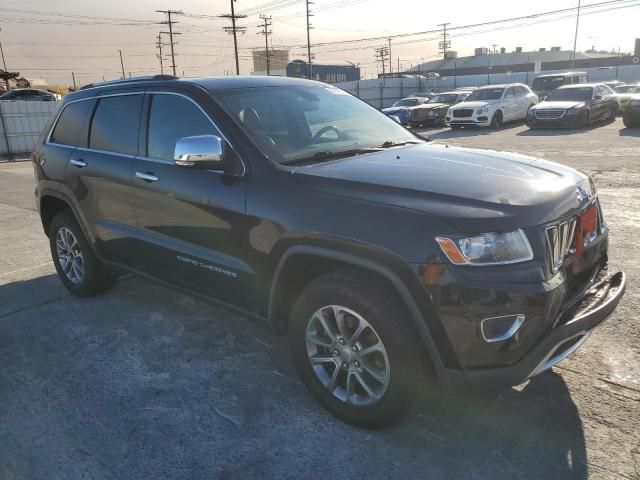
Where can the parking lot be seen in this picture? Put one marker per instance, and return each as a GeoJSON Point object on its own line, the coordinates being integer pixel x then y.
{"type": "Point", "coordinates": [144, 382]}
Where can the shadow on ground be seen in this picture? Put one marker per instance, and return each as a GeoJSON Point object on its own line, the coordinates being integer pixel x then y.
{"type": "Point", "coordinates": [629, 132]}
{"type": "Point", "coordinates": [143, 382]}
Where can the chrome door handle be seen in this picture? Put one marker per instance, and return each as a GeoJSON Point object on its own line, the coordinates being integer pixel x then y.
{"type": "Point", "coordinates": [147, 177]}
{"type": "Point", "coordinates": [78, 162]}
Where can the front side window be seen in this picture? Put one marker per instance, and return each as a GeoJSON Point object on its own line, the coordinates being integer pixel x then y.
{"type": "Point", "coordinates": [406, 102]}
{"type": "Point", "coordinates": [172, 117]}
{"type": "Point", "coordinates": [115, 124]}
{"type": "Point", "coordinates": [449, 98]}
{"type": "Point", "coordinates": [293, 123]}
{"type": "Point", "coordinates": [70, 129]}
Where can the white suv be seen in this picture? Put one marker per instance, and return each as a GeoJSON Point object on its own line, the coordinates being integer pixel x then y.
{"type": "Point", "coordinates": [492, 105]}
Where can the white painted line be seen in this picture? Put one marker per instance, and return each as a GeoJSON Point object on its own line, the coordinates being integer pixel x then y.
{"type": "Point", "coordinates": [25, 269]}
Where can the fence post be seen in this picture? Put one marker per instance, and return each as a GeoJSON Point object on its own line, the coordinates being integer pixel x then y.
{"type": "Point", "coordinates": [358, 88]}
{"type": "Point", "coordinates": [382, 93]}
{"type": "Point", "coordinates": [6, 133]}
{"type": "Point", "coordinates": [401, 87]}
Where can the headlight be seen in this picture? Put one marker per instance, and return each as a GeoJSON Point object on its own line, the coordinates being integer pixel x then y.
{"type": "Point", "coordinates": [635, 103]}
{"type": "Point", "coordinates": [487, 248]}
{"type": "Point", "coordinates": [573, 111]}
{"type": "Point", "coordinates": [482, 110]}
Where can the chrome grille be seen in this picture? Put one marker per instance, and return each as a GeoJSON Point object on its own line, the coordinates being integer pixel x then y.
{"type": "Point", "coordinates": [560, 241]}
{"type": "Point", "coordinates": [463, 112]}
{"type": "Point", "coordinates": [549, 114]}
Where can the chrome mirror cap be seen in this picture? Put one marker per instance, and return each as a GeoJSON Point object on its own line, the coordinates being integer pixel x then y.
{"type": "Point", "coordinates": [203, 151]}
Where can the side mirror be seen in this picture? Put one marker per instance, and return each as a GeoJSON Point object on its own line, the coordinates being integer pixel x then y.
{"type": "Point", "coordinates": [598, 97]}
{"type": "Point", "coordinates": [203, 152]}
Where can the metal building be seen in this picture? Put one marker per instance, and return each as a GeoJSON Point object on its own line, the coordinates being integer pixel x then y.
{"type": "Point", "coordinates": [333, 72]}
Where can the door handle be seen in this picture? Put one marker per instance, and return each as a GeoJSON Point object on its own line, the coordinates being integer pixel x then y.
{"type": "Point", "coordinates": [147, 177]}
{"type": "Point", "coordinates": [78, 162]}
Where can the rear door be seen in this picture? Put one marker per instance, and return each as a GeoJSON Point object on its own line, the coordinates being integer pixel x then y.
{"type": "Point", "coordinates": [193, 231]}
{"type": "Point", "coordinates": [99, 174]}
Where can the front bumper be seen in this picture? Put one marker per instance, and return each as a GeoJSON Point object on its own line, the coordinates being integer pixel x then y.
{"type": "Point", "coordinates": [574, 325]}
{"type": "Point", "coordinates": [483, 120]}
{"type": "Point", "coordinates": [568, 121]}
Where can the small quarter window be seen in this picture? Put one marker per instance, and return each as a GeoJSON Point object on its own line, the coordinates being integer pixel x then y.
{"type": "Point", "coordinates": [70, 129]}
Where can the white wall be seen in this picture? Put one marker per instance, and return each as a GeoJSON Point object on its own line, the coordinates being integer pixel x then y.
{"type": "Point", "coordinates": [24, 122]}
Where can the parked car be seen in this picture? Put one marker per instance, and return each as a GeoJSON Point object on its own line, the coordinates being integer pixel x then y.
{"type": "Point", "coordinates": [434, 111]}
{"type": "Point", "coordinates": [612, 84]}
{"type": "Point", "coordinates": [28, 94]}
{"type": "Point", "coordinates": [389, 261]}
{"type": "Point", "coordinates": [631, 115]}
{"type": "Point", "coordinates": [574, 106]}
{"type": "Point", "coordinates": [624, 93]}
{"type": "Point", "coordinates": [543, 85]}
{"type": "Point", "coordinates": [492, 105]}
{"type": "Point", "coordinates": [400, 109]}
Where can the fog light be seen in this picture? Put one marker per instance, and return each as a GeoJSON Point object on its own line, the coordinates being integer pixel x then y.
{"type": "Point", "coordinates": [499, 329]}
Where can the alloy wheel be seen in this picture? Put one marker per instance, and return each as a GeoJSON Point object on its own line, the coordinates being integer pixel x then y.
{"type": "Point", "coordinates": [347, 355]}
{"type": "Point", "coordinates": [69, 255]}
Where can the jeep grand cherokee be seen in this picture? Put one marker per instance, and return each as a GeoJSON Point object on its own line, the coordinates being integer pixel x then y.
{"type": "Point", "coordinates": [390, 262]}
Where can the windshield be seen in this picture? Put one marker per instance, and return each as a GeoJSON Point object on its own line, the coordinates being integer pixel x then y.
{"type": "Point", "coordinates": [485, 94]}
{"type": "Point", "coordinates": [291, 123]}
{"type": "Point", "coordinates": [406, 102]}
{"type": "Point", "coordinates": [448, 99]}
{"type": "Point", "coordinates": [570, 94]}
{"type": "Point", "coordinates": [627, 89]}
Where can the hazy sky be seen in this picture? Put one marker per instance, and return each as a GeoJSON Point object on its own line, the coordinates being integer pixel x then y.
{"type": "Point", "coordinates": [51, 46]}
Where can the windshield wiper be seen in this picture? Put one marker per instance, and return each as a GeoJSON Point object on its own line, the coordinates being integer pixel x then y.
{"type": "Point", "coordinates": [329, 155]}
{"type": "Point", "coordinates": [393, 143]}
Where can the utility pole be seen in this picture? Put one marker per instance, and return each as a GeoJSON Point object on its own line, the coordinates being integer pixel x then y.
{"type": "Point", "coordinates": [494, 47]}
{"type": "Point", "coordinates": [4, 65]}
{"type": "Point", "coordinates": [234, 29]}
{"type": "Point", "coordinates": [159, 46]}
{"type": "Point", "coordinates": [575, 38]}
{"type": "Point", "coordinates": [445, 44]}
{"type": "Point", "coordinates": [381, 56]}
{"type": "Point", "coordinates": [309, 27]}
{"type": "Point", "coordinates": [617, 62]}
{"type": "Point", "coordinates": [121, 64]}
{"type": "Point", "coordinates": [389, 39]}
{"type": "Point", "coordinates": [73, 76]}
{"type": "Point", "coordinates": [171, 33]}
{"type": "Point", "coordinates": [266, 32]}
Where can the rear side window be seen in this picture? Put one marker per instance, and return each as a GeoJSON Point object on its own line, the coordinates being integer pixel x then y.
{"type": "Point", "coordinates": [172, 117]}
{"type": "Point", "coordinates": [115, 124]}
{"type": "Point", "coordinates": [70, 129]}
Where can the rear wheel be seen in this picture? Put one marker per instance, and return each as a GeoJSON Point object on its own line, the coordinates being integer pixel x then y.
{"type": "Point", "coordinates": [354, 349]}
{"type": "Point", "coordinates": [78, 268]}
{"type": "Point", "coordinates": [496, 120]}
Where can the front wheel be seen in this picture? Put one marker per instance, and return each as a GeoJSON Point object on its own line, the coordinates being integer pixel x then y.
{"type": "Point", "coordinates": [629, 123]}
{"type": "Point", "coordinates": [354, 350]}
{"type": "Point", "coordinates": [496, 120]}
{"type": "Point", "coordinates": [77, 266]}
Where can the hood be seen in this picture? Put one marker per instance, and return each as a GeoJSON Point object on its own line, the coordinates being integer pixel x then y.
{"type": "Point", "coordinates": [472, 189]}
{"type": "Point", "coordinates": [564, 105]}
{"type": "Point", "coordinates": [476, 104]}
{"type": "Point", "coordinates": [392, 110]}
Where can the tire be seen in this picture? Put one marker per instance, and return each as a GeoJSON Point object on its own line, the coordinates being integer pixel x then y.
{"type": "Point", "coordinates": [585, 120]}
{"type": "Point", "coordinates": [496, 120]}
{"type": "Point", "coordinates": [85, 275]}
{"type": "Point", "coordinates": [629, 123]}
{"type": "Point", "coordinates": [455, 127]}
{"type": "Point", "coordinates": [359, 300]}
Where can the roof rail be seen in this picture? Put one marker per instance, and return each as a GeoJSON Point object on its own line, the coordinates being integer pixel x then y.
{"type": "Point", "coordinates": [129, 80]}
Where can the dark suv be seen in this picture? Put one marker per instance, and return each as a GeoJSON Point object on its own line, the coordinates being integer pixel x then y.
{"type": "Point", "coordinates": [390, 262]}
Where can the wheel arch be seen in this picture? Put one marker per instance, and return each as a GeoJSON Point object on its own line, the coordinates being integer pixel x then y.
{"type": "Point", "coordinates": [313, 261]}
{"type": "Point", "coordinates": [52, 202]}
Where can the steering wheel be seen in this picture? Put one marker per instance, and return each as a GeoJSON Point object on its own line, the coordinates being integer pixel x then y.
{"type": "Point", "coordinates": [325, 129]}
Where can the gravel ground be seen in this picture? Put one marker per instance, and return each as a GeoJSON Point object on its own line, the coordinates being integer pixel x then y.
{"type": "Point", "coordinates": [143, 382]}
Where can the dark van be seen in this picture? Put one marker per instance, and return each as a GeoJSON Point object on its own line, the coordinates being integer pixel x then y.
{"type": "Point", "coordinates": [543, 85]}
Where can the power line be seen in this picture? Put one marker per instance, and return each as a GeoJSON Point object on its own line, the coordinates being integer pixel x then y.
{"type": "Point", "coordinates": [234, 29]}
{"type": "Point", "coordinates": [171, 33]}
{"type": "Point", "coordinates": [266, 32]}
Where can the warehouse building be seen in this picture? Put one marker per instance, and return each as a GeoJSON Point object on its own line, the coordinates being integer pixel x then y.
{"type": "Point", "coordinates": [331, 72]}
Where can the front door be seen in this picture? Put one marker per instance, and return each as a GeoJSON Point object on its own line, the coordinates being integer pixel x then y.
{"type": "Point", "coordinates": [192, 227]}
